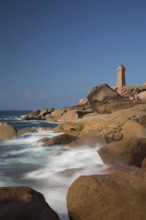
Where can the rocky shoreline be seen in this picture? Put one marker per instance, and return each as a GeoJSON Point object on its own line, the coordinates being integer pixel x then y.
{"type": "Point", "coordinates": [118, 122]}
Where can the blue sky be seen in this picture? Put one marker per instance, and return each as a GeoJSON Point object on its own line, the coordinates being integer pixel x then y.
{"type": "Point", "coordinates": [52, 52]}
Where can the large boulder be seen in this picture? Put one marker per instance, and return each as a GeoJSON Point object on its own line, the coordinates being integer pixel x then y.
{"type": "Point", "coordinates": [103, 99]}
{"type": "Point", "coordinates": [61, 139]}
{"type": "Point", "coordinates": [108, 196]}
{"type": "Point", "coordinates": [126, 152]}
{"type": "Point", "coordinates": [7, 131]}
{"type": "Point", "coordinates": [24, 203]}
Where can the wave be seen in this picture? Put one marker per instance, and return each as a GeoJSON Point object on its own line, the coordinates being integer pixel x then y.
{"type": "Point", "coordinates": [50, 170]}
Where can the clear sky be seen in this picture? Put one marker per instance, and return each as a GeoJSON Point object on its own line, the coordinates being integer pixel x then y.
{"type": "Point", "coordinates": [52, 52]}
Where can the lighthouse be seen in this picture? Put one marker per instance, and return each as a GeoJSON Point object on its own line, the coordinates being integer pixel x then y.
{"type": "Point", "coordinates": [121, 76]}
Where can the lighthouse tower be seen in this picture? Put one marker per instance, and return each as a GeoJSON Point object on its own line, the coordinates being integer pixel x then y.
{"type": "Point", "coordinates": [121, 76]}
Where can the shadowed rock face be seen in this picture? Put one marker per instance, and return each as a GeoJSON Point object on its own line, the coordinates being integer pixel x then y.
{"type": "Point", "coordinates": [24, 203]}
{"type": "Point", "coordinates": [109, 196]}
{"type": "Point", "coordinates": [103, 99]}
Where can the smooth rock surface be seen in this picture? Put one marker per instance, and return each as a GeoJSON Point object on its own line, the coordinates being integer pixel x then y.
{"type": "Point", "coordinates": [125, 152]}
{"type": "Point", "coordinates": [119, 196]}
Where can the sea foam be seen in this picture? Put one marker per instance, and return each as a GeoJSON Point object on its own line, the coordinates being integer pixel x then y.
{"type": "Point", "coordinates": [50, 170]}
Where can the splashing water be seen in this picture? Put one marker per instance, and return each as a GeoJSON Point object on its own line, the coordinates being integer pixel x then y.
{"type": "Point", "coordinates": [49, 170]}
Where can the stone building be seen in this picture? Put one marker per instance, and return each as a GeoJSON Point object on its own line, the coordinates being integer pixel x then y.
{"type": "Point", "coordinates": [121, 81]}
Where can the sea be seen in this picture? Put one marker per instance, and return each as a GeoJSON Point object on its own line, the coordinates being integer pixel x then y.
{"type": "Point", "coordinates": [49, 170]}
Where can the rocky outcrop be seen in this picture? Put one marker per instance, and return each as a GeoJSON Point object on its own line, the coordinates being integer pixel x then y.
{"type": "Point", "coordinates": [69, 116]}
{"type": "Point", "coordinates": [72, 115]}
{"type": "Point", "coordinates": [45, 111]}
{"type": "Point", "coordinates": [126, 152]}
{"type": "Point", "coordinates": [50, 118]}
{"type": "Point", "coordinates": [34, 113]}
{"type": "Point", "coordinates": [116, 126]}
{"type": "Point", "coordinates": [7, 131]}
{"type": "Point", "coordinates": [38, 114]}
{"type": "Point", "coordinates": [24, 203]}
{"type": "Point", "coordinates": [133, 92]}
{"type": "Point", "coordinates": [103, 99]}
{"type": "Point", "coordinates": [56, 115]}
{"type": "Point", "coordinates": [119, 195]}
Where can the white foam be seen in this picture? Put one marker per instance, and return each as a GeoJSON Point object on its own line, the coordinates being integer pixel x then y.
{"type": "Point", "coordinates": [53, 169]}
{"type": "Point", "coordinates": [61, 170]}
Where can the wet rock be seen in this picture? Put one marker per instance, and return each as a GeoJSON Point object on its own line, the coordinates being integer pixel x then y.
{"type": "Point", "coordinates": [26, 131]}
{"type": "Point", "coordinates": [24, 203]}
{"type": "Point", "coordinates": [127, 152]}
{"type": "Point", "coordinates": [61, 139]}
{"type": "Point", "coordinates": [7, 131]}
{"type": "Point", "coordinates": [108, 196]}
